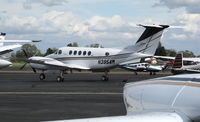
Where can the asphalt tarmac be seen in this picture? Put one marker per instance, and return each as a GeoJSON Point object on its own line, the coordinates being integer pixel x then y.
{"type": "Point", "coordinates": [24, 98]}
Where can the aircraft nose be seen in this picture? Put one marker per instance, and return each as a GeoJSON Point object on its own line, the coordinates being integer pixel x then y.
{"type": "Point", "coordinates": [4, 63]}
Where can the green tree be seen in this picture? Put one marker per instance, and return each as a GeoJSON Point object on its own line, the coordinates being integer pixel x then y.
{"type": "Point", "coordinates": [160, 51]}
{"type": "Point", "coordinates": [170, 52]}
{"type": "Point", "coordinates": [31, 50]}
{"type": "Point", "coordinates": [187, 53]}
{"type": "Point", "coordinates": [74, 44]}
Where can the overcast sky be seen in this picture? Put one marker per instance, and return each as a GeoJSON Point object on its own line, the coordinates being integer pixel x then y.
{"type": "Point", "coordinates": [108, 22]}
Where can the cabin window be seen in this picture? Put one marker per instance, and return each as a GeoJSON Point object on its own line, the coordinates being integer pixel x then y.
{"type": "Point", "coordinates": [70, 52]}
{"type": "Point", "coordinates": [89, 53]}
{"type": "Point", "coordinates": [84, 52]}
{"type": "Point", "coordinates": [107, 54]}
{"type": "Point", "coordinates": [75, 52]}
{"type": "Point", "coordinates": [60, 52]}
{"type": "Point", "coordinates": [79, 52]}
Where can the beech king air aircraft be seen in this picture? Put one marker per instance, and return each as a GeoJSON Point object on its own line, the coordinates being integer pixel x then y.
{"type": "Point", "coordinates": [9, 48]}
{"type": "Point", "coordinates": [98, 59]}
{"type": "Point", "coordinates": [167, 99]}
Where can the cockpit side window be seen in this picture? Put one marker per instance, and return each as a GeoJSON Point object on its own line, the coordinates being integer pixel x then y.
{"type": "Point", "coordinates": [89, 53]}
{"type": "Point", "coordinates": [60, 52]}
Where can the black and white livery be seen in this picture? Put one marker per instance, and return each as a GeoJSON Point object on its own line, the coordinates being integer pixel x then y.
{"type": "Point", "coordinates": [99, 59]}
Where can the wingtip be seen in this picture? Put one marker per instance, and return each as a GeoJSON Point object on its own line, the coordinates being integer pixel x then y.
{"type": "Point", "coordinates": [36, 40]}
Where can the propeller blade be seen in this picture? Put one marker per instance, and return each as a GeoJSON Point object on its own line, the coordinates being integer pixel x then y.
{"type": "Point", "coordinates": [23, 66]}
{"type": "Point", "coordinates": [34, 70]}
{"type": "Point", "coordinates": [25, 53]}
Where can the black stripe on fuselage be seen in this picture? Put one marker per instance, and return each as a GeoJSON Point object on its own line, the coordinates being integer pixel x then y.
{"type": "Point", "coordinates": [118, 56]}
{"type": "Point", "coordinates": [148, 33]}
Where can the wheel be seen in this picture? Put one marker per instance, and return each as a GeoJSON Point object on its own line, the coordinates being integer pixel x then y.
{"type": "Point", "coordinates": [136, 73]}
{"type": "Point", "coordinates": [104, 78]}
{"type": "Point", "coordinates": [42, 76]}
{"type": "Point", "coordinates": [150, 73]}
{"type": "Point", "coordinates": [60, 79]}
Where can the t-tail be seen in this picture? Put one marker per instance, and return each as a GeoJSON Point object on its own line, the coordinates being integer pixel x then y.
{"type": "Point", "coordinates": [2, 37]}
{"type": "Point", "coordinates": [149, 40]}
{"type": "Point", "coordinates": [178, 62]}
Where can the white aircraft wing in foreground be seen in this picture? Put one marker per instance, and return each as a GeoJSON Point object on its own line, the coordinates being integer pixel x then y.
{"type": "Point", "coordinates": [167, 99]}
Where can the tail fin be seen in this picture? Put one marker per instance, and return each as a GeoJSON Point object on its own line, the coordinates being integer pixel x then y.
{"type": "Point", "coordinates": [2, 37]}
{"type": "Point", "coordinates": [150, 38]}
{"type": "Point", "coordinates": [178, 62]}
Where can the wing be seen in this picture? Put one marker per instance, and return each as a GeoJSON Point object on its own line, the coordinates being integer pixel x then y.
{"type": "Point", "coordinates": [23, 41]}
{"type": "Point", "coordinates": [7, 49]}
{"type": "Point", "coordinates": [152, 117]}
{"type": "Point", "coordinates": [184, 59]}
{"type": "Point", "coordinates": [55, 63]}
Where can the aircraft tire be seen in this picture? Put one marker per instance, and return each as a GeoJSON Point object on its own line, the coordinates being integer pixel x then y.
{"type": "Point", "coordinates": [42, 76]}
{"type": "Point", "coordinates": [104, 78]}
{"type": "Point", "coordinates": [60, 79]}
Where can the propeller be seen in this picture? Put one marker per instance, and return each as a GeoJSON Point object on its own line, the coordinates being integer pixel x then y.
{"type": "Point", "coordinates": [26, 55]}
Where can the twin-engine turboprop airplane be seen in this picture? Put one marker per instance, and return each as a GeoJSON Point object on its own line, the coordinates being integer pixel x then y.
{"type": "Point", "coordinates": [9, 48]}
{"type": "Point", "coordinates": [143, 67]}
{"type": "Point", "coordinates": [167, 99]}
{"type": "Point", "coordinates": [99, 59]}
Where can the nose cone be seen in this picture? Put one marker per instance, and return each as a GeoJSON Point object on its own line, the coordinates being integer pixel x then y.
{"type": "Point", "coordinates": [4, 63]}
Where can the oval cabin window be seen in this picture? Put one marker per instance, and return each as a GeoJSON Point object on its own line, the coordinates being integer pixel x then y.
{"type": "Point", "coordinates": [89, 53]}
{"type": "Point", "coordinates": [107, 54]}
{"type": "Point", "coordinates": [84, 52]}
{"type": "Point", "coordinates": [79, 52]}
{"type": "Point", "coordinates": [75, 52]}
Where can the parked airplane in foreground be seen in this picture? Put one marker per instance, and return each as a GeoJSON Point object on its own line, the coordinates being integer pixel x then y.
{"type": "Point", "coordinates": [178, 66]}
{"type": "Point", "coordinates": [143, 67]}
{"type": "Point", "coordinates": [9, 48]}
{"type": "Point", "coordinates": [98, 59]}
{"type": "Point", "coordinates": [166, 99]}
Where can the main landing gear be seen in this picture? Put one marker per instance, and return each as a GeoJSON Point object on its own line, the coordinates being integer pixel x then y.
{"type": "Point", "coordinates": [59, 78]}
{"type": "Point", "coordinates": [105, 76]}
{"type": "Point", "coordinates": [42, 76]}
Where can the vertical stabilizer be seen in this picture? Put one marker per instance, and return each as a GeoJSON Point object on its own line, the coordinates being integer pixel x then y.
{"type": "Point", "coordinates": [178, 62]}
{"type": "Point", "coordinates": [149, 40]}
{"type": "Point", "coordinates": [2, 37]}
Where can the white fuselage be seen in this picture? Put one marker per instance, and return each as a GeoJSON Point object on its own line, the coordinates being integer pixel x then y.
{"type": "Point", "coordinates": [91, 58]}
